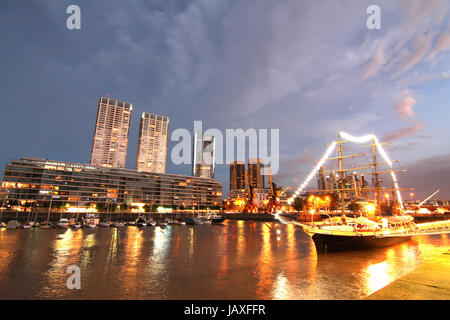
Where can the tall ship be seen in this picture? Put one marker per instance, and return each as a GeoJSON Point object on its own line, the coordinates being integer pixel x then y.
{"type": "Point", "coordinates": [368, 214]}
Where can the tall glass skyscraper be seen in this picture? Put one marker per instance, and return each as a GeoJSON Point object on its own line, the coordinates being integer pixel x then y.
{"type": "Point", "coordinates": [110, 142]}
{"type": "Point", "coordinates": [152, 144]}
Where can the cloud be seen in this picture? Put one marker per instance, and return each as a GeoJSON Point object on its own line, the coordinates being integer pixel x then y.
{"type": "Point", "coordinates": [428, 175]}
{"type": "Point", "coordinates": [378, 60]}
{"type": "Point", "coordinates": [421, 45]}
{"type": "Point", "coordinates": [404, 107]}
{"type": "Point", "coordinates": [403, 132]}
{"type": "Point", "coordinates": [442, 44]}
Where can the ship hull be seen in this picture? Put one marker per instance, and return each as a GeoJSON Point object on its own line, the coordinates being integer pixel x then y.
{"type": "Point", "coordinates": [334, 243]}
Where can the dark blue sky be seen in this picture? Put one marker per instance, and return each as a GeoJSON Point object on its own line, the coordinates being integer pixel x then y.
{"type": "Point", "coordinates": [307, 68]}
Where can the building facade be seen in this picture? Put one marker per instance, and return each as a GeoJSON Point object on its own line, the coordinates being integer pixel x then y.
{"type": "Point", "coordinates": [110, 142]}
{"type": "Point", "coordinates": [321, 181]}
{"type": "Point", "coordinates": [152, 143]}
{"type": "Point", "coordinates": [203, 162]}
{"type": "Point", "coordinates": [40, 181]}
{"type": "Point", "coordinates": [237, 175]}
{"type": "Point", "coordinates": [255, 176]}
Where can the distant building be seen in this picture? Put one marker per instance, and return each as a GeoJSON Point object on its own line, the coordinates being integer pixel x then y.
{"type": "Point", "coordinates": [203, 164]}
{"type": "Point", "coordinates": [255, 176]}
{"type": "Point", "coordinates": [79, 185]}
{"type": "Point", "coordinates": [110, 142]}
{"type": "Point", "coordinates": [152, 144]}
{"type": "Point", "coordinates": [321, 182]}
{"type": "Point", "coordinates": [237, 175]}
{"type": "Point", "coordinates": [259, 195]}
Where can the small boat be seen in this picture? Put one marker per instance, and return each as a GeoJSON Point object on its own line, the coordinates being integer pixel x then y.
{"type": "Point", "coordinates": [217, 219]}
{"type": "Point", "coordinates": [118, 224]}
{"type": "Point", "coordinates": [151, 222]}
{"type": "Point", "coordinates": [46, 225]}
{"type": "Point", "coordinates": [13, 224]}
{"type": "Point", "coordinates": [2, 225]}
{"type": "Point", "coordinates": [161, 223]}
{"type": "Point", "coordinates": [63, 223]}
{"type": "Point", "coordinates": [27, 226]}
{"type": "Point", "coordinates": [192, 221]}
{"type": "Point", "coordinates": [141, 222]}
{"type": "Point", "coordinates": [91, 220]}
{"type": "Point", "coordinates": [131, 223]}
{"type": "Point", "coordinates": [106, 224]}
{"type": "Point", "coordinates": [77, 225]}
{"type": "Point", "coordinates": [90, 225]}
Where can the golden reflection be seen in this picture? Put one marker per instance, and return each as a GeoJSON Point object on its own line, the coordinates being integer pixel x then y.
{"type": "Point", "coordinates": [191, 243]}
{"type": "Point", "coordinates": [112, 254]}
{"type": "Point", "coordinates": [265, 263]}
{"type": "Point", "coordinates": [378, 276]}
{"type": "Point", "coordinates": [133, 244]}
{"type": "Point", "coordinates": [66, 252]}
{"type": "Point", "coordinates": [241, 237]}
{"type": "Point", "coordinates": [281, 288]}
{"type": "Point", "coordinates": [8, 249]}
{"type": "Point", "coordinates": [223, 251]}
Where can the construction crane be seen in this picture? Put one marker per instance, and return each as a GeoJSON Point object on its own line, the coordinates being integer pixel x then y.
{"type": "Point", "coordinates": [273, 203]}
{"type": "Point", "coordinates": [435, 193]}
{"type": "Point", "coordinates": [250, 207]}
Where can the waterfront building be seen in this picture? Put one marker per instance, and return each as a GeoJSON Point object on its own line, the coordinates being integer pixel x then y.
{"type": "Point", "coordinates": [259, 196]}
{"type": "Point", "coordinates": [110, 141]}
{"type": "Point", "coordinates": [236, 199]}
{"type": "Point", "coordinates": [152, 143]}
{"type": "Point", "coordinates": [237, 175]}
{"type": "Point", "coordinates": [255, 176]}
{"type": "Point", "coordinates": [41, 181]}
{"type": "Point", "coordinates": [203, 164]}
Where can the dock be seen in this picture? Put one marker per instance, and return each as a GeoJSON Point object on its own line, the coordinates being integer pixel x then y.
{"type": "Point", "coordinates": [428, 282]}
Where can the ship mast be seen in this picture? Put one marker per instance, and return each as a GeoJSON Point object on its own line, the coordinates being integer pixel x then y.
{"type": "Point", "coordinates": [341, 171]}
{"type": "Point", "coordinates": [377, 180]}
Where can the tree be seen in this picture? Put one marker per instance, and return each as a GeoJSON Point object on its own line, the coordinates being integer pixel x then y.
{"type": "Point", "coordinates": [299, 204]}
{"type": "Point", "coordinates": [334, 202]}
{"type": "Point", "coordinates": [354, 206]}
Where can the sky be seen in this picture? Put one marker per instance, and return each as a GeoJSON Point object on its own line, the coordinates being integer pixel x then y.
{"type": "Point", "coordinates": [307, 68]}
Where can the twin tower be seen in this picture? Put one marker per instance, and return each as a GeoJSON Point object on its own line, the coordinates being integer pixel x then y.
{"type": "Point", "coordinates": [110, 142]}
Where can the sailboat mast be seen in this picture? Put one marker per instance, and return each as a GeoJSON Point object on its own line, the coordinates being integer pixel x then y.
{"type": "Point", "coordinates": [377, 181]}
{"type": "Point", "coordinates": [341, 172]}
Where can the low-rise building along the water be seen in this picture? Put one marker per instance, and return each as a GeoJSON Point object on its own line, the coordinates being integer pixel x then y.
{"type": "Point", "coordinates": [38, 180]}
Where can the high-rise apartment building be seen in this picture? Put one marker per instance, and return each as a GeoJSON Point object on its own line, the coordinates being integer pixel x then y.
{"type": "Point", "coordinates": [255, 176]}
{"type": "Point", "coordinates": [237, 175]}
{"type": "Point", "coordinates": [203, 164]}
{"type": "Point", "coordinates": [110, 142]}
{"type": "Point", "coordinates": [152, 144]}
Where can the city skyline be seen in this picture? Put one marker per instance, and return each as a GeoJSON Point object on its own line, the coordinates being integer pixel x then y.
{"type": "Point", "coordinates": [309, 79]}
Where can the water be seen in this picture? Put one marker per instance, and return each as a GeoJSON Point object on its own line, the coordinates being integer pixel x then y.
{"type": "Point", "coordinates": [237, 260]}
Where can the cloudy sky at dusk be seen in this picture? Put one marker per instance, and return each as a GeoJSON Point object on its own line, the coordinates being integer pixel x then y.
{"type": "Point", "coordinates": [308, 68]}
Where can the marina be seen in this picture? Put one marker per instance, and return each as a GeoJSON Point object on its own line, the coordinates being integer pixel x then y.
{"type": "Point", "coordinates": [235, 260]}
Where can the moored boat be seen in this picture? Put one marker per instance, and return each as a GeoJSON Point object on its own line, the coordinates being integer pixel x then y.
{"type": "Point", "coordinates": [13, 224]}
{"type": "Point", "coordinates": [141, 222]}
{"type": "Point", "coordinates": [63, 223]}
{"type": "Point", "coordinates": [105, 224]}
{"type": "Point", "coordinates": [217, 219]}
{"type": "Point", "coordinates": [46, 225]}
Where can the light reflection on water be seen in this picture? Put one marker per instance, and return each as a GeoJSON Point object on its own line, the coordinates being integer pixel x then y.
{"type": "Point", "coordinates": [237, 260]}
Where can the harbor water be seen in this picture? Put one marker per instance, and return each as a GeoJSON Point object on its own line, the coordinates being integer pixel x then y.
{"type": "Point", "coordinates": [235, 260]}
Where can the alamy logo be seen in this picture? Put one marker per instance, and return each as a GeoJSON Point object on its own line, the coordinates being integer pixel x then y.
{"type": "Point", "coordinates": [74, 280]}
{"type": "Point", "coordinates": [224, 147]}
{"type": "Point", "coordinates": [374, 20]}
{"type": "Point", "coordinates": [74, 20]}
